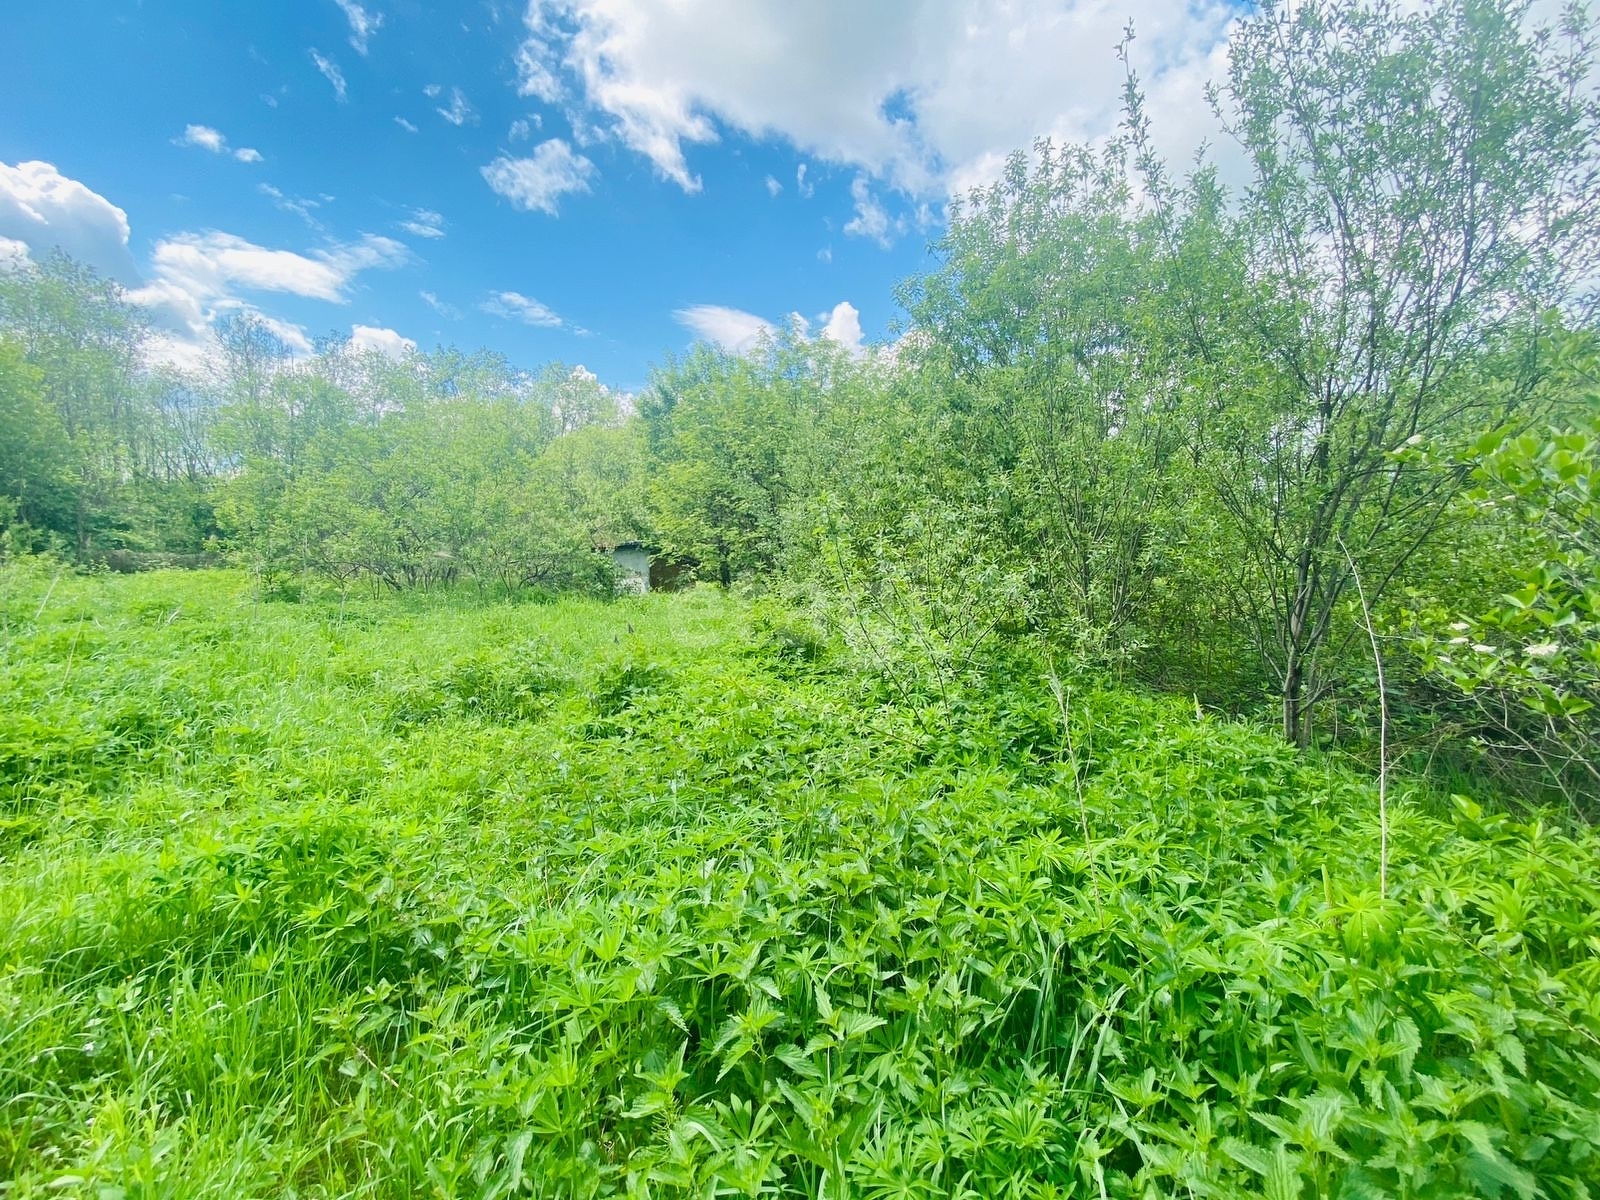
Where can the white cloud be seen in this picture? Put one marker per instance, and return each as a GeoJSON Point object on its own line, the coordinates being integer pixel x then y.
{"type": "Point", "coordinates": [45, 210]}
{"type": "Point", "coordinates": [459, 112]}
{"type": "Point", "coordinates": [844, 326]}
{"type": "Point", "coordinates": [363, 24]}
{"type": "Point", "coordinates": [293, 336]}
{"type": "Point", "coordinates": [405, 124]}
{"type": "Point", "coordinates": [384, 341]}
{"type": "Point", "coordinates": [522, 129]}
{"type": "Point", "coordinates": [204, 137]}
{"type": "Point", "coordinates": [514, 306]}
{"type": "Point", "coordinates": [773, 186]}
{"type": "Point", "coordinates": [14, 254]}
{"type": "Point", "coordinates": [214, 262]}
{"type": "Point", "coordinates": [198, 274]}
{"type": "Point", "coordinates": [806, 190]}
{"type": "Point", "coordinates": [825, 254]}
{"type": "Point", "coordinates": [731, 329]}
{"type": "Point", "coordinates": [539, 182]}
{"type": "Point", "coordinates": [424, 223]}
{"type": "Point", "coordinates": [298, 205]}
{"type": "Point", "coordinates": [738, 332]}
{"type": "Point", "coordinates": [925, 96]}
{"type": "Point", "coordinates": [871, 219]}
{"type": "Point", "coordinates": [449, 311]}
{"type": "Point", "coordinates": [535, 73]}
{"type": "Point", "coordinates": [330, 72]}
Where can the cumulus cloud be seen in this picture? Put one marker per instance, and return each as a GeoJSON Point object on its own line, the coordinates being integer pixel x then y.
{"type": "Point", "coordinates": [43, 210]}
{"type": "Point", "coordinates": [204, 137]}
{"type": "Point", "coordinates": [731, 329]}
{"type": "Point", "coordinates": [514, 306]}
{"type": "Point", "coordinates": [384, 341]}
{"type": "Point", "coordinates": [925, 96]}
{"type": "Point", "coordinates": [330, 72]}
{"type": "Point", "coordinates": [363, 24]}
{"type": "Point", "coordinates": [539, 181]}
{"type": "Point", "coordinates": [522, 129]}
{"type": "Point", "coordinates": [773, 186]}
{"type": "Point", "coordinates": [424, 223]}
{"type": "Point", "coordinates": [844, 326]}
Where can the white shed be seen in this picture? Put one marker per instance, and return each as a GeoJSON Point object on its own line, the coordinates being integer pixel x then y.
{"type": "Point", "coordinates": [633, 565]}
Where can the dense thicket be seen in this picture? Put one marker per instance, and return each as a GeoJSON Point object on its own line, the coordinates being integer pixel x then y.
{"type": "Point", "coordinates": [1159, 423]}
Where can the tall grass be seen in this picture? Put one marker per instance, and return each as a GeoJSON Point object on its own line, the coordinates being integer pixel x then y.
{"type": "Point", "coordinates": [426, 896]}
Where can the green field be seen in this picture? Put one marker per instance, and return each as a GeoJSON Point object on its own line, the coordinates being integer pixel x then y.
{"type": "Point", "coordinates": [419, 896]}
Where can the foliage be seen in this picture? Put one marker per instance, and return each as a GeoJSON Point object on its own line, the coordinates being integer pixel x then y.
{"type": "Point", "coordinates": [1529, 658]}
{"type": "Point", "coordinates": [389, 896]}
{"type": "Point", "coordinates": [1418, 195]}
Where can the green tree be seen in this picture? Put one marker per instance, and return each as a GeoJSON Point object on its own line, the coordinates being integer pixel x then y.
{"type": "Point", "coordinates": [76, 329]}
{"type": "Point", "coordinates": [1422, 187]}
{"type": "Point", "coordinates": [35, 466]}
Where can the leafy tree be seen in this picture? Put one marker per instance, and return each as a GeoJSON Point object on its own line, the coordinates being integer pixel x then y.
{"type": "Point", "coordinates": [35, 466]}
{"type": "Point", "coordinates": [1422, 186]}
{"type": "Point", "coordinates": [722, 432]}
{"type": "Point", "coordinates": [1037, 329]}
{"type": "Point", "coordinates": [84, 340]}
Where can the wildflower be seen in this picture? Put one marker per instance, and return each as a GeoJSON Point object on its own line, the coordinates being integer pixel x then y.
{"type": "Point", "coordinates": [1543, 650]}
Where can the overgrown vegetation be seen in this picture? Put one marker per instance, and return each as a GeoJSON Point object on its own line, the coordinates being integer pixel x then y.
{"type": "Point", "coordinates": [389, 897]}
{"type": "Point", "coordinates": [1004, 824]}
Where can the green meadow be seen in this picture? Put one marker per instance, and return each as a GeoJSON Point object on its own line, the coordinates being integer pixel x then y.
{"type": "Point", "coordinates": [670, 896]}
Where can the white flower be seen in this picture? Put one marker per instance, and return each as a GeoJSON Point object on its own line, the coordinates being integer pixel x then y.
{"type": "Point", "coordinates": [1543, 650]}
{"type": "Point", "coordinates": [1460, 626]}
{"type": "Point", "coordinates": [1482, 649]}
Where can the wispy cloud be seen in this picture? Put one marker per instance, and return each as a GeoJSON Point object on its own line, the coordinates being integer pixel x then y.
{"type": "Point", "coordinates": [330, 72]}
{"type": "Point", "coordinates": [363, 24]}
{"type": "Point", "coordinates": [405, 124]}
{"type": "Point", "coordinates": [448, 311]}
{"type": "Point", "coordinates": [298, 205]}
{"type": "Point", "coordinates": [514, 306]}
{"type": "Point", "coordinates": [424, 223]}
{"type": "Point", "coordinates": [459, 112]}
{"type": "Point", "coordinates": [732, 329]}
{"type": "Point", "coordinates": [871, 219]}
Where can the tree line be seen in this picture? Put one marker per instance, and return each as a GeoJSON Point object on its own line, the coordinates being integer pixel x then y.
{"type": "Point", "coordinates": [1199, 427]}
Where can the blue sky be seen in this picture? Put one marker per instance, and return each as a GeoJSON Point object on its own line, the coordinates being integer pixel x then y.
{"type": "Point", "coordinates": [593, 181]}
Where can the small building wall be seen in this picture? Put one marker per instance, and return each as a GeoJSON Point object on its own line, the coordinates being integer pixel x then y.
{"type": "Point", "coordinates": [634, 564]}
